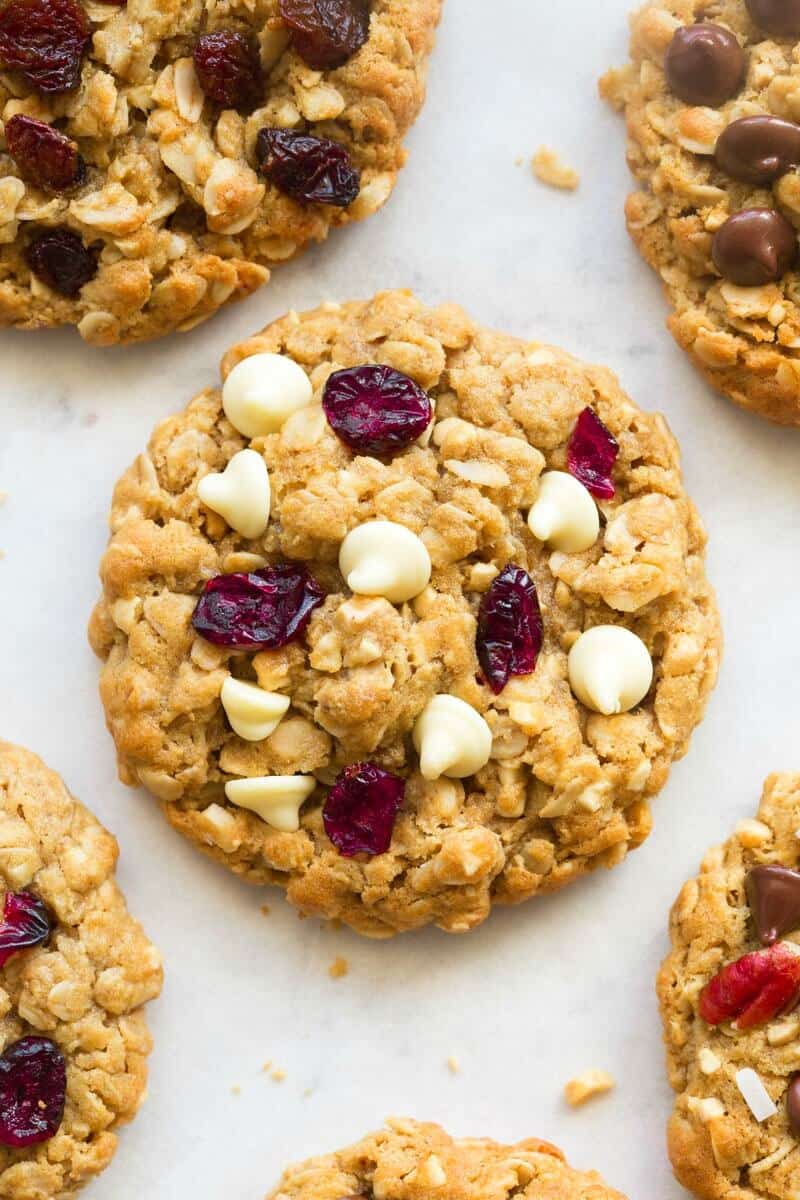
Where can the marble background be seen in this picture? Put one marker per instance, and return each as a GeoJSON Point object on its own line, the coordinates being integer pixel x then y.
{"type": "Point", "coordinates": [538, 993]}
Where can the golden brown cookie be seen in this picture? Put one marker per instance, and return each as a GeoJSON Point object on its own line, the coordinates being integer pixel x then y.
{"type": "Point", "coordinates": [410, 1161]}
{"type": "Point", "coordinates": [728, 991]}
{"type": "Point", "coordinates": [167, 153]}
{"type": "Point", "coordinates": [485, 778]}
{"type": "Point", "coordinates": [76, 972]}
{"type": "Point", "coordinates": [698, 71]}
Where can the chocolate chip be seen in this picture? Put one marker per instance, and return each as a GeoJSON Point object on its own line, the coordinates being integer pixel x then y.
{"type": "Point", "coordinates": [781, 17]}
{"type": "Point", "coordinates": [754, 246]}
{"type": "Point", "coordinates": [793, 1105]}
{"type": "Point", "coordinates": [704, 64]}
{"type": "Point", "coordinates": [773, 894]}
{"type": "Point", "coordinates": [759, 149]}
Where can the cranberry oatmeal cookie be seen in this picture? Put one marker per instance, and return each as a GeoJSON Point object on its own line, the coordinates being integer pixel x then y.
{"type": "Point", "coordinates": [712, 100]}
{"type": "Point", "coordinates": [159, 156]}
{"type": "Point", "coordinates": [77, 970]}
{"type": "Point", "coordinates": [729, 992]}
{"type": "Point", "coordinates": [409, 618]}
{"type": "Point", "coordinates": [408, 1161]}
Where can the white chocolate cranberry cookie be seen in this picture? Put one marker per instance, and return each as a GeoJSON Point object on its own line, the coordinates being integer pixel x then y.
{"type": "Point", "coordinates": [158, 157]}
{"type": "Point", "coordinates": [76, 971]}
{"type": "Point", "coordinates": [712, 101]}
{"type": "Point", "coordinates": [729, 992]}
{"type": "Point", "coordinates": [412, 1161]}
{"type": "Point", "coordinates": [408, 618]}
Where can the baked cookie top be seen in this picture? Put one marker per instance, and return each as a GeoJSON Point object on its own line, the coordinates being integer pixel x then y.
{"type": "Point", "coordinates": [159, 156]}
{"type": "Point", "coordinates": [416, 648]}
{"type": "Point", "coordinates": [728, 992]}
{"type": "Point", "coordinates": [408, 1159]}
{"type": "Point", "coordinates": [76, 971]}
{"type": "Point", "coordinates": [712, 100]}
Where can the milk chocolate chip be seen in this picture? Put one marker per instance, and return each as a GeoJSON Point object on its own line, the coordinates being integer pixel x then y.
{"type": "Point", "coordinates": [793, 1105]}
{"type": "Point", "coordinates": [781, 17]}
{"type": "Point", "coordinates": [759, 149]}
{"type": "Point", "coordinates": [704, 64]}
{"type": "Point", "coordinates": [754, 247]}
{"type": "Point", "coordinates": [773, 894]}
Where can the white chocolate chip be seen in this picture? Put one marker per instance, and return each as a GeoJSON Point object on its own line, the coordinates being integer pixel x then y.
{"type": "Point", "coordinates": [591, 1083]}
{"type": "Point", "coordinates": [253, 712]}
{"type": "Point", "coordinates": [564, 514]}
{"type": "Point", "coordinates": [241, 494]}
{"type": "Point", "coordinates": [263, 391]}
{"type": "Point", "coordinates": [451, 739]}
{"type": "Point", "coordinates": [755, 1095]}
{"type": "Point", "coordinates": [382, 558]}
{"type": "Point", "coordinates": [277, 799]}
{"type": "Point", "coordinates": [783, 1032]}
{"type": "Point", "coordinates": [709, 1063]}
{"type": "Point", "coordinates": [610, 669]}
{"type": "Point", "coordinates": [707, 1109]}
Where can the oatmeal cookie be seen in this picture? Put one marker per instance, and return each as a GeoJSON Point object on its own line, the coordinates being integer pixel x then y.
{"type": "Point", "coordinates": [77, 970]}
{"type": "Point", "coordinates": [712, 101]}
{"type": "Point", "coordinates": [159, 157]}
{"type": "Point", "coordinates": [728, 992]}
{"type": "Point", "coordinates": [370, 696]}
{"type": "Point", "coordinates": [408, 1159]}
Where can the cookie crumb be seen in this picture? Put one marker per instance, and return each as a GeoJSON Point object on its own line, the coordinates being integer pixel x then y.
{"type": "Point", "coordinates": [3, 497]}
{"type": "Point", "coordinates": [590, 1083]}
{"type": "Point", "coordinates": [548, 168]}
{"type": "Point", "coordinates": [338, 968]}
{"type": "Point", "coordinates": [236, 1090]}
{"type": "Point", "coordinates": [453, 1065]}
{"type": "Point", "coordinates": [277, 1074]}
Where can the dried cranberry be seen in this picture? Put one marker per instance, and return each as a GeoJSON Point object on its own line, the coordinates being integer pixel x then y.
{"type": "Point", "coordinates": [325, 33]}
{"type": "Point", "coordinates": [228, 66]}
{"type": "Point", "coordinates": [753, 989]}
{"type": "Point", "coordinates": [59, 258]}
{"type": "Point", "coordinates": [309, 169]}
{"type": "Point", "coordinates": [510, 629]}
{"type": "Point", "coordinates": [33, 1087]}
{"type": "Point", "coordinates": [376, 410]}
{"type": "Point", "coordinates": [26, 923]}
{"type": "Point", "coordinates": [45, 41]}
{"type": "Point", "coordinates": [265, 608]}
{"type": "Point", "coordinates": [361, 808]}
{"type": "Point", "coordinates": [591, 454]}
{"type": "Point", "coordinates": [44, 156]}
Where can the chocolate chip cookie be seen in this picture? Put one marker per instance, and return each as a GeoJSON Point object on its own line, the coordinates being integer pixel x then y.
{"type": "Point", "coordinates": [408, 1160]}
{"type": "Point", "coordinates": [76, 971]}
{"type": "Point", "coordinates": [729, 992]}
{"type": "Point", "coordinates": [409, 617]}
{"type": "Point", "coordinates": [159, 157]}
{"type": "Point", "coordinates": [712, 102]}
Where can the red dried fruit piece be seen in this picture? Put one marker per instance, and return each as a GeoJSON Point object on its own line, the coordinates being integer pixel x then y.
{"type": "Point", "coordinates": [510, 629]}
{"type": "Point", "coordinates": [361, 808]}
{"type": "Point", "coordinates": [375, 409]}
{"type": "Point", "coordinates": [33, 1087]}
{"type": "Point", "coordinates": [228, 66]}
{"type": "Point", "coordinates": [45, 157]}
{"type": "Point", "coordinates": [309, 169]}
{"type": "Point", "coordinates": [45, 41]}
{"type": "Point", "coordinates": [325, 33]}
{"type": "Point", "coordinates": [26, 923]}
{"type": "Point", "coordinates": [264, 608]}
{"type": "Point", "coordinates": [591, 454]}
{"type": "Point", "coordinates": [59, 258]}
{"type": "Point", "coordinates": [753, 989]}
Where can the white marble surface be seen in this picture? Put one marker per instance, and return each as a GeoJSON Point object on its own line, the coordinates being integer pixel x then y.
{"type": "Point", "coordinates": [540, 992]}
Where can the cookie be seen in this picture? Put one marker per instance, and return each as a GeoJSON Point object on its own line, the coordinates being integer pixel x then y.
{"type": "Point", "coordinates": [711, 102]}
{"type": "Point", "coordinates": [160, 157]}
{"type": "Point", "coordinates": [76, 971]}
{"type": "Point", "coordinates": [408, 1160]}
{"type": "Point", "coordinates": [458, 710]}
{"type": "Point", "coordinates": [728, 993]}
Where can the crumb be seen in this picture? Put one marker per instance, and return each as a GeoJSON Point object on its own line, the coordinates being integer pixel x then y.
{"type": "Point", "coordinates": [3, 496]}
{"type": "Point", "coordinates": [264, 910]}
{"type": "Point", "coordinates": [519, 161]}
{"type": "Point", "coordinates": [277, 1074]}
{"type": "Point", "coordinates": [584, 1086]}
{"type": "Point", "coordinates": [307, 1092]}
{"type": "Point", "coordinates": [338, 968]}
{"type": "Point", "coordinates": [236, 1090]}
{"type": "Point", "coordinates": [454, 1065]}
{"type": "Point", "coordinates": [267, 1065]}
{"type": "Point", "coordinates": [549, 169]}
